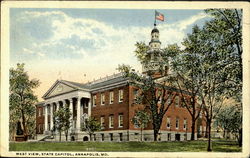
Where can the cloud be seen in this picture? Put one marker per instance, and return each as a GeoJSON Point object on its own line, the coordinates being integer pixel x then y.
{"type": "Point", "coordinates": [182, 25]}
{"type": "Point", "coordinates": [68, 37]}
{"type": "Point", "coordinates": [25, 50]}
{"type": "Point", "coordinates": [75, 45]}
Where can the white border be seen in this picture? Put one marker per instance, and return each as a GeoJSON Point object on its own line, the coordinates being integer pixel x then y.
{"type": "Point", "coordinates": [125, 5]}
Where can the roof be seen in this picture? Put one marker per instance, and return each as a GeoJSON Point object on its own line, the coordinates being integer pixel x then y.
{"type": "Point", "coordinates": [76, 84]}
{"type": "Point", "coordinates": [155, 30]}
{"type": "Point", "coordinates": [108, 82]}
{"type": "Point", "coordinates": [117, 78]}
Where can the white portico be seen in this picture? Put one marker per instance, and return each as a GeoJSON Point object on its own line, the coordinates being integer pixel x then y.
{"type": "Point", "coordinates": [64, 93]}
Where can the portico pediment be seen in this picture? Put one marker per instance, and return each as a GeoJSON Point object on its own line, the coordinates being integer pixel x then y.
{"type": "Point", "coordinates": [58, 88]}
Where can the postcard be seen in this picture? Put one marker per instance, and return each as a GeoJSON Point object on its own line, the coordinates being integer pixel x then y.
{"type": "Point", "coordinates": [124, 79]}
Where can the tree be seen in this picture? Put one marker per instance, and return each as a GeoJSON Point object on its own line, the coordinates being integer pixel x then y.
{"type": "Point", "coordinates": [62, 121]}
{"type": "Point", "coordinates": [184, 76]}
{"type": "Point", "coordinates": [91, 125]}
{"type": "Point", "coordinates": [157, 94]}
{"type": "Point", "coordinates": [22, 100]}
{"type": "Point", "coordinates": [230, 119]}
{"type": "Point", "coordinates": [141, 120]}
{"type": "Point", "coordinates": [217, 59]}
{"type": "Point", "coordinates": [226, 29]}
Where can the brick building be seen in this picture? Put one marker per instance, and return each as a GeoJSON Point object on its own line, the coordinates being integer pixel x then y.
{"type": "Point", "coordinates": [40, 118]}
{"type": "Point", "coordinates": [111, 101]}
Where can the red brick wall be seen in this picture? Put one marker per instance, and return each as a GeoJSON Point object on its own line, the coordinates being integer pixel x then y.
{"type": "Point", "coordinates": [115, 109]}
{"type": "Point", "coordinates": [173, 112]}
{"type": "Point", "coordinates": [39, 119]}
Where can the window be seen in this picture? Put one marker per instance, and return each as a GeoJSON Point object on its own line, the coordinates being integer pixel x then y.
{"type": "Point", "coordinates": [120, 95]}
{"type": "Point", "coordinates": [135, 94]}
{"type": "Point", "coordinates": [169, 136]}
{"type": "Point", "coordinates": [102, 122]}
{"type": "Point", "coordinates": [111, 97]}
{"type": "Point", "coordinates": [120, 134]}
{"type": "Point", "coordinates": [177, 123]}
{"type": "Point", "coordinates": [102, 135]}
{"type": "Point", "coordinates": [111, 136]}
{"type": "Point", "coordinates": [185, 124]}
{"type": "Point", "coordinates": [94, 137]}
{"type": "Point", "coordinates": [102, 99]}
{"type": "Point", "coordinates": [111, 121]}
{"type": "Point", "coordinates": [168, 122]}
{"type": "Point", "coordinates": [176, 101]}
{"type": "Point", "coordinates": [94, 100]}
{"type": "Point", "coordinates": [39, 112]}
{"type": "Point", "coordinates": [120, 120]}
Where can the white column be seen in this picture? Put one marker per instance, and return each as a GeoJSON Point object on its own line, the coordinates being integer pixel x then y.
{"type": "Point", "coordinates": [89, 107]}
{"type": "Point", "coordinates": [64, 103]}
{"type": "Point", "coordinates": [71, 110]}
{"type": "Point", "coordinates": [57, 106]}
{"type": "Point", "coordinates": [51, 116]}
{"type": "Point", "coordinates": [46, 118]}
{"type": "Point", "coordinates": [78, 117]}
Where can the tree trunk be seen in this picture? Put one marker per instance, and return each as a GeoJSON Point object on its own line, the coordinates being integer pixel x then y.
{"type": "Point", "coordinates": [193, 129]}
{"type": "Point", "coordinates": [155, 134]}
{"type": "Point", "coordinates": [66, 135]}
{"type": "Point", "coordinates": [60, 135]}
{"type": "Point", "coordinates": [209, 147]}
{"type": "Point", "coordinates": [24, 125]}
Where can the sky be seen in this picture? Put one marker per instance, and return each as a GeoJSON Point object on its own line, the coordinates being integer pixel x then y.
{"type": "Point", "coordinates": [81, 45]}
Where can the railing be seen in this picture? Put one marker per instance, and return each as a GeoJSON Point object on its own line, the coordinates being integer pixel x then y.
{"type": "Point", "coordinates": [106, 78]}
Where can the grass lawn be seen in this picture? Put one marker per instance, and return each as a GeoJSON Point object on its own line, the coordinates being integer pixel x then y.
{"type": "Point", "coordinates": [190, 146]}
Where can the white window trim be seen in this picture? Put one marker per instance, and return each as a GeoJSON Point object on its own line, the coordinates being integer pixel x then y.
{"type": "Point", "coordinates": [121, 92]}
{"type": "Point", "coordinates": [112, 116]}
{"type": "Point", "coordinates": [185, 124]}
{"type": "Point", "coordinates": [168, 121]}
{"type": "Point", "coordinates": [119, 120]}
{"type": "Point", "coordinates": [111, 97]}
{"type": "Point", "coordinates": [102, 123]}
{"type": "Point", "coordinates": [103, 99]}
{"type": "Point", "coordinates": [178, 123]}
{"type": "Point", "coordinates": [94, 101]}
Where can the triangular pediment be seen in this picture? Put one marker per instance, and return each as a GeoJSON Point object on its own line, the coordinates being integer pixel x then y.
{"type": "Point", "coordinates": [58, 88]}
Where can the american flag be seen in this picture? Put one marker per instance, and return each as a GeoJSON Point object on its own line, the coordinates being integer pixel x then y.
{"type": "Point", "coordinates": [159, 16]}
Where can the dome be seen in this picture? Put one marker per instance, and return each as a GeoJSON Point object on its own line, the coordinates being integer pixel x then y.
{"type": "Point", "coordinates": [155, 30]}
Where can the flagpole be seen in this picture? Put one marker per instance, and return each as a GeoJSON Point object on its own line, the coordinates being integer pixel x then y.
{"type": "Point", "coordinates": [155, 19]}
